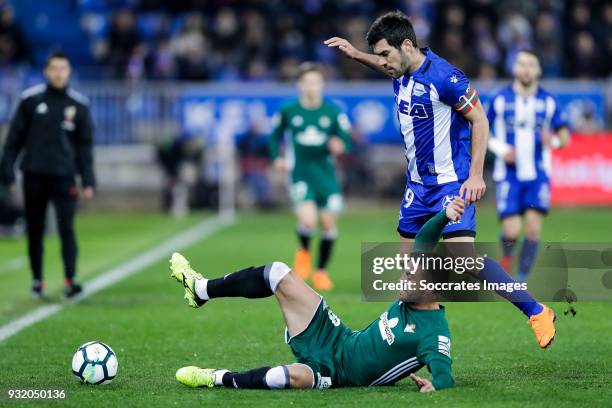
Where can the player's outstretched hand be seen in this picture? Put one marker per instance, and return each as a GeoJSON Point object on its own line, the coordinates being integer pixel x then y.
{"type": "Point", "coordinates": [344, 46]}
{"type": "Point", "coordinates": [335, 145]}
{"type": "Point", "coordinates": [472, 189]}
{"type": "Point", "coordinates": [280, 165]}
{"type": "Point", "coordinates": [422, 384]}
{"type": "Point", "coordinates": [455, 209]}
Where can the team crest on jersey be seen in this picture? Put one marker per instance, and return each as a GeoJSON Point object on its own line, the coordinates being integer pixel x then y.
{"type": "Point", "coordinates": [42, 108]}
{"type": "Point", "coordinates": [297, 120]}
{"type": "Point", "coordinates": [418, 89]}
{"type": "Point", "coordinates": [385, 325]}
{"type": "Point", "coordinates": [324, 121]}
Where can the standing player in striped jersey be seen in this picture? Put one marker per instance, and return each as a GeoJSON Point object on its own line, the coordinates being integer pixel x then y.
{"type": "Point", "coordinates": [522, 117]}
{"type": "Point", "coordinates": [445, 132]}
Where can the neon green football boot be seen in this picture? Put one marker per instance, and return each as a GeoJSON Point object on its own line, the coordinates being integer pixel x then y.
{"type": "Point", "coordinates": [193, 376]}
{"type": "Point", "coordinates": [182, 272]}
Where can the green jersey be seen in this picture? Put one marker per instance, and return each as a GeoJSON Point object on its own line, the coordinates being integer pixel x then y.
{"type": "Point", "coordinates": [308, 132]}
{"type": "Point", "coordinates": [399, 342]}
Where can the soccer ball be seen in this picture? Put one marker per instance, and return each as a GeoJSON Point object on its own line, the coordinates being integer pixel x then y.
{"type": "Point", "coordinates": [95, 363]}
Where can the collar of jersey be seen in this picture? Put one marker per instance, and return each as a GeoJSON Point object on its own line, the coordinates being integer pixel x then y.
{"type": "Point", "coordinates": [427, 52]}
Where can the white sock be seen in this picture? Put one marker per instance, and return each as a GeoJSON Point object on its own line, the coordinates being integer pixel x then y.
{"type": "Point", "coordinates": [200, 288]}
{"type": "Point", "coordinates": [219, 376]}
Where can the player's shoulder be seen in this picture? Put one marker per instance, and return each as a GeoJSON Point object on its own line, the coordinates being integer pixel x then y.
{"type": "Point", "coordinates": [330, 105]}
{"type": "Point", "coordinates": [543, 93]}
{"type": "Point", "coordinates": [289, 106]}
{"type": "Point", "coordinates": [78, 97]}
{"type": "Point", "coordinates": [33, 91]}
{"type": "Point", "coordinates": [505, 93]}
{"type": "Point", "coordinates": [440, 71]}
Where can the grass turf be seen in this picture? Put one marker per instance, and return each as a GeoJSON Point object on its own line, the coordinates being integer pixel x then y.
{"type": "Point", "coordinates": [496, 359]}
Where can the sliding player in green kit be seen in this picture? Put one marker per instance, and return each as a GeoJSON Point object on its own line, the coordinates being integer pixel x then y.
{"type": "Point", "coordinates": [405, 338]}
{"type": "Point", "coordinates": [316, 130]}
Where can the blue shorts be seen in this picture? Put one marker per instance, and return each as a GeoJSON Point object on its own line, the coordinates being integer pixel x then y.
{"type": "Point", "coordinates": [421, 202]}
{"type": "Point", "coordinates": [514, 197]}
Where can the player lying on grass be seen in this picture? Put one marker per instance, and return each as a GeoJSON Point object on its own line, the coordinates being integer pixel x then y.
{"type": "Point", "coordinates": [406, 337]}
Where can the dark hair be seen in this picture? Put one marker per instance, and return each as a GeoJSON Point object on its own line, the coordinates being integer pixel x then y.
{"type": "Point", "coordinates": [528, 51]}
{"type": "Point", "coordinates": [306, 67]}
{"type": "Point", "coordinates": [56, 55]}
{"type": "Point", "coordinates": [395, 27]}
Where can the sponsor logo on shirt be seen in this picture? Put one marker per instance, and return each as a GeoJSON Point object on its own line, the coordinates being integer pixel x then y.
{"type": "Point", "coordinates": [385, 325]}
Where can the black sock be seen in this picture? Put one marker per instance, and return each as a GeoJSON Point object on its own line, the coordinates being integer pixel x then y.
{"type": "Point", "coordinates": [252, 283]}
{"type": "Point", "coordinates": [325, 250]}
{"type": "Point", "coordinates": [254, 379]}
{"type": "Point", "coordinates": [304, 237]}
{"type": "Point", "coordinates": [249, 283]}
{"type": "Point", "coordinates": [258, 378]}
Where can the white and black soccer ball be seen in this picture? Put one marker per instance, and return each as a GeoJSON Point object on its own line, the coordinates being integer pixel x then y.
{"type": "Point", "coordinates": [95, 363]}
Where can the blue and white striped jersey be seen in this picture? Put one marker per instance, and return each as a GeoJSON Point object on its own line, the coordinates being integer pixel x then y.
{"type": "Point", "coordinates": [430, 106]}
{"type": "Point", "coordinates": [519, 121]}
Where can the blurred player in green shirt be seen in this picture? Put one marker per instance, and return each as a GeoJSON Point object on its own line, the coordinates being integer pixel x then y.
{"type": "Point", "coordinates": [315, 131]}
{"type": "Point", "coordinates": [406, 337]}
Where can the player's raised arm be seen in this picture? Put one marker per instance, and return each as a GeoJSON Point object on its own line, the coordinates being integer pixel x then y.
{"type": "Point", "coordinates": [369, 60]}
{"type": "Point", "coordinates": [474, 187]}
{"type": "Point", "coordinates": [278, 130]}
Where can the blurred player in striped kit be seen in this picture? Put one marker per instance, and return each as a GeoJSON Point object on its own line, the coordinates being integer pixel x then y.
{"type": "Point", "coordinates": [526, 123]}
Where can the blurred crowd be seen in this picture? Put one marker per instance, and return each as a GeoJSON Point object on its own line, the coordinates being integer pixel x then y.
{"type": "Point", "coordinates": [266, 39]}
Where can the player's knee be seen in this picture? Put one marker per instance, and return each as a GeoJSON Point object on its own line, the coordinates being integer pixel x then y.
{"type": "Point", "coordinates": [532, 232]}
{"type": "Point", "coordinates": [300, 376]}
{"type": "Point", "coordinates": [306, 226]}
{"type": "Point", "coordinates": [275, 273]}
{"type": "Point", "coordinates": [330, 231]}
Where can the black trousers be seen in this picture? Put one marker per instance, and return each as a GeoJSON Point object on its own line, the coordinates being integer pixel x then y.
{"type": "Point", "coordinates": [39, 190]}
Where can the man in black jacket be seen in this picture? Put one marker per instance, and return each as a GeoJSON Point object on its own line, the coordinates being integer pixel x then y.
{"type": "Point", "coordinates": [52, 127]}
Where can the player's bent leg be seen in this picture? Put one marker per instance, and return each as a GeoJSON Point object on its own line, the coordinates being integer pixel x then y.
{"type": "Point", "coordinates": [251, 283]}
{"type": "Point", "coordinates": [541, 318]}
{"type": "Point", "coordinates": [511, 228]}
{"type": "Point", "coordinates": [306, 213]}
{"type": "Point", "coordinates": [298, 303]}
{"type": "Point", "coordinates": [298, 376]}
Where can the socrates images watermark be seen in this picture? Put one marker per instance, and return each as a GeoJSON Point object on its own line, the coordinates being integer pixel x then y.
{"type": "Point", "coordinates": [562, 272]}
{"type": "Point", "coordinates": [423, 264]}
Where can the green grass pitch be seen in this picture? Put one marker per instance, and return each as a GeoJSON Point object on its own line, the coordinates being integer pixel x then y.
{"type": "Point", "coordinates": [145, 320]}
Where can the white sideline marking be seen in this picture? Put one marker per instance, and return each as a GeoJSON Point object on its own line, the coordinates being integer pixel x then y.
{"type": "Point", "coordinates": [120, 272]}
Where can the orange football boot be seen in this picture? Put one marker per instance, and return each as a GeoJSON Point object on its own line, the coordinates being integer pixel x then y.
{"type": "Point", "coordinates": [302, 263]}
{"type": "Point", "coordinates": [543, 325]}
{"type": "Point", "coordinates": [322, 281]}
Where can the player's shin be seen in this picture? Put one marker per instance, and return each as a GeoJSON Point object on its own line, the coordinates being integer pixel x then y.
{"type": "Point", "coordinates": [252, 282]}
{"type": "Point", "coordinates": [529, 251]}
{"type": "Point", "coordinates": [325, 248]}
{"type": "Point", "coordinates": [304, 234]}
{"type": "Point", "coordinates": [508, 245]}
{"type": "Point", "coordinates": [493, 272]}
{"type": "Point", "coordinates": [258, 378]}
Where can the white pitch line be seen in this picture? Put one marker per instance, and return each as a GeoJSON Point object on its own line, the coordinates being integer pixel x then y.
{"type": "Point", "coordinates": [120, 272]}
